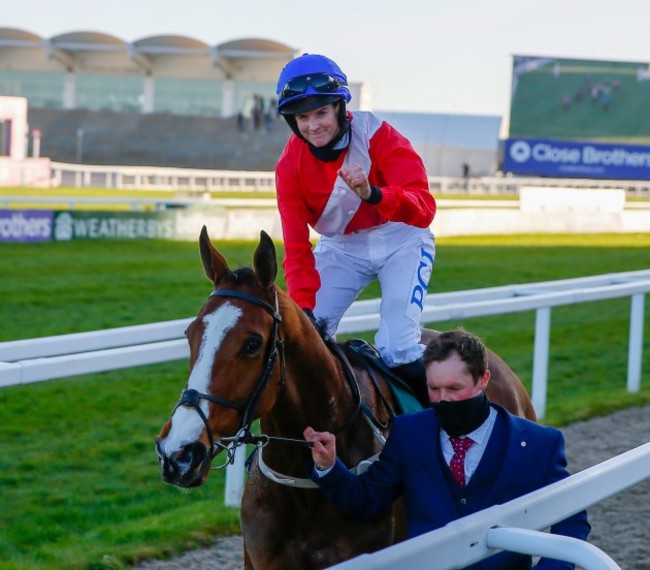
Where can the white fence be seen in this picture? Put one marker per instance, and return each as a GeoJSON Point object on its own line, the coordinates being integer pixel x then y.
{"type": "Point", "coordinates": [157, 177]}
{"type": "Point", "coordinates": [37, 360]}
{"type": "Point", "coordinates": [513, 526]}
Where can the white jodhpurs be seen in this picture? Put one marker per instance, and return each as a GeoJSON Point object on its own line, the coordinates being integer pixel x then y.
{"type": "Point", "coordinates": [401, 257]}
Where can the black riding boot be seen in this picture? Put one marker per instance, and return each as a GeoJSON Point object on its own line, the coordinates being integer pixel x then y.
{"type": "Point", "coordinates": [414, 374]}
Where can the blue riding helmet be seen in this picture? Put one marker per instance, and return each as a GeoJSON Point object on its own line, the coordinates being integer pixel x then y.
{"type": "Point", "coordinates": [308, 82]}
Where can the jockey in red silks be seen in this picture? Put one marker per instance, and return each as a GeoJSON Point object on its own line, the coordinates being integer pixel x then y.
{"type": "Point", "coordinates": [358, 183]}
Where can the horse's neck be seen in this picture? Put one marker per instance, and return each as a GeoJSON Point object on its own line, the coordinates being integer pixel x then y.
{"type": "Point", "coordinates": [315, 392]}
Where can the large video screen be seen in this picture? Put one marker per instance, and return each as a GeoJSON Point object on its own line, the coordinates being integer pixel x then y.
{"type": "Point", "coordinates": [580, 100]}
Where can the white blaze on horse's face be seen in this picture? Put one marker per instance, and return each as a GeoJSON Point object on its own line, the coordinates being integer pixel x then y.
{"type": "Point", "coordinates": [186, 423]}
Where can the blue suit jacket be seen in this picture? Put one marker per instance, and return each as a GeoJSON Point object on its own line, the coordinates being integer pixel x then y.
{"type": "Point", "coordinates": [411, 465]}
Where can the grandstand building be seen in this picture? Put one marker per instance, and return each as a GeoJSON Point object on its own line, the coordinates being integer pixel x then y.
{"type": "Point", "coordinates": [173, 100]}
{"type": "Point", "coordinates": [160, 74]}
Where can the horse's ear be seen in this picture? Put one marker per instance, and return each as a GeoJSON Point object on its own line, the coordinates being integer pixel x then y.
{"type": "Point", "coordinates": [214, 264]}
{"type": "Point", "coordinates": [266, 263]}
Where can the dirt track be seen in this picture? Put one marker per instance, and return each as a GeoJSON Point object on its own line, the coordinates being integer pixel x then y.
{"type": "Point", "coordinates": [620, 524]}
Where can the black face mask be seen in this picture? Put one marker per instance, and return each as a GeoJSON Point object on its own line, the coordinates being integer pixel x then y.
{"type": "Point", "coordinates": [464, 416]}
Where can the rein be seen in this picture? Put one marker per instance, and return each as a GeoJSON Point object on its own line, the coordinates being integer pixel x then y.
{"type": "Point", "coordinates": [303, 482]}
{"type": "Point", "coordinates": [263, 440]}
{"type": "Point", "coordinates": [191, 398]}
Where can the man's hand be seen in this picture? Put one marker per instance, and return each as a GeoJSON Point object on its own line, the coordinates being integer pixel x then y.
{"type": "Point", "coordinates": [323, 452]}
{"type": "Point", "coordinates": [356, 179]}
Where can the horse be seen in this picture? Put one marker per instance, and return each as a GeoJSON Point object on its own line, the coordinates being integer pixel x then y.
{"type": "Point", "coordinates": [254, 354]}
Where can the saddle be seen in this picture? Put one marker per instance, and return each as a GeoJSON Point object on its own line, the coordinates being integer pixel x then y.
{"type": "Point", "coordinates": [363, 354]}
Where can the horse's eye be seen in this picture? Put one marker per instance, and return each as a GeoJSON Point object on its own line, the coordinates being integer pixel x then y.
{"type": "Point", "coordinates": [252, 346]}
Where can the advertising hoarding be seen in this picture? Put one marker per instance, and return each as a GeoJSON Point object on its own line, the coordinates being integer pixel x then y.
{"type": "Point", "coordinates": [593, 116]}
{"type": "Point", "coordinates": [25, 225]}
{"type": "Point", "coordinates": [576, 159]}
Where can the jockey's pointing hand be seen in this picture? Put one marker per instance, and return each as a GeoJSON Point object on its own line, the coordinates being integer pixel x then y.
{"type": "Point", "coordinates": [356, 179]}
{"type": "Point", "coordinates": [323, 451]}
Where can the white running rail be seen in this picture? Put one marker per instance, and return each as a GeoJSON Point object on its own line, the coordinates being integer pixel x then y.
{"type": "Point", "coordinates": [200, 180]}
{"type": "Point", "coordinates": [515, 525]}
{"type": "Point", "coordinates": [40, 359]}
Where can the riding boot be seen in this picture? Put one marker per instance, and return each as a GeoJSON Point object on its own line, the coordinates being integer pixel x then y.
{"type": "Point", "coordinates": [414, 374]}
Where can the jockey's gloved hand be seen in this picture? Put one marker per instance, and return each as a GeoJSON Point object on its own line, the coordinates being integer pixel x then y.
{"type": "Point", "coordinates": [311, 316]}
{"type": "Point", "coordinates": [319, 327]}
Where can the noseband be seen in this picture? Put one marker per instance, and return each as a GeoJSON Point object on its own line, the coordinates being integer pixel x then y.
{"type": "Point", "coordinates": [191, 398]}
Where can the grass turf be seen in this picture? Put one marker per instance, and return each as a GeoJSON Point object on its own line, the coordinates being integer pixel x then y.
{"type": "Point", "coordinates": [79, 479]}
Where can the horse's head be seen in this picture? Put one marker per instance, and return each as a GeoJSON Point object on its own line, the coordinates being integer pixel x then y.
{"type": "Point", "coordinates": [235, 358]}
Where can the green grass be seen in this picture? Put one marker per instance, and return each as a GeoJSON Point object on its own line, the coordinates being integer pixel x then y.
{"type": "Point", "coordinates": [79, 480]}
{"type": "Point", "coordinates": [60, 193]}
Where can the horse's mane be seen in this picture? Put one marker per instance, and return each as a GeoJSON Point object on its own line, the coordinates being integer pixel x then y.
{"type": "Point", "coordinates": [240, 275]}
{"type": "Point", "coordinates": [245, 274]}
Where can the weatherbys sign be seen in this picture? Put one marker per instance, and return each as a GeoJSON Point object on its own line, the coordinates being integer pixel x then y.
{"type": "Point", "coordinates": [112, 225]}
{"type": "Point", "coordinates": [540, 157]}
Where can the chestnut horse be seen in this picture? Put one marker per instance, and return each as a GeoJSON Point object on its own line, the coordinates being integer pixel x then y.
{"type": "Point", "coordinates": [255, 354]}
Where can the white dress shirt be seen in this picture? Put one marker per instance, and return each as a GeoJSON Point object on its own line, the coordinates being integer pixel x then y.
{"type": "Point", "coordinates": [481, 436]}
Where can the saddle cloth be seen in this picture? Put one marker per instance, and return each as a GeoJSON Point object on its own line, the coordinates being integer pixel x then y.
{"type": "Point", "coordinates": [405, 400]}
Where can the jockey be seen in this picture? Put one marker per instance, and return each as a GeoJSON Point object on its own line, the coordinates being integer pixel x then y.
{"type": "Point", "coordinates": [358, 183]}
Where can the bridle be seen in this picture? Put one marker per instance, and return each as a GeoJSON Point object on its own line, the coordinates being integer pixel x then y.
{"type": "Point", "coordinates": [191, 398]}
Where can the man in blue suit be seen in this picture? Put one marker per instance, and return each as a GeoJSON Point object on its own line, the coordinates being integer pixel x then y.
{"type": "Point", "coordinates": [463, 455]}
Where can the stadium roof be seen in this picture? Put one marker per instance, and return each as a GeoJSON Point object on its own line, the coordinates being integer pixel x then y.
{"type": "Point", "coordinates": [255, 47]}
{"type": "Point", "coordinates": [85, 40]}
{"type": "Point", "coordinates": [169, 44]}
{"type": "Point", "coordinates": [13, 37]}
{"type": "Point", "coordinates": [64, 47]}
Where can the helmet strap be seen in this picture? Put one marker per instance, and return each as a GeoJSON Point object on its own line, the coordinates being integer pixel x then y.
{"type": "Point", "coordinates": [293, 125]}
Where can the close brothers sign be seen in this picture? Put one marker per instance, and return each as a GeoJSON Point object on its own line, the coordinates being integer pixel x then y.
{"type": "Point", "coordinates": [540, 157]}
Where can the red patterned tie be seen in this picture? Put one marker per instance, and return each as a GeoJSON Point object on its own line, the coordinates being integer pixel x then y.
{"type": "Point", "coordinates": [457, 465]}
